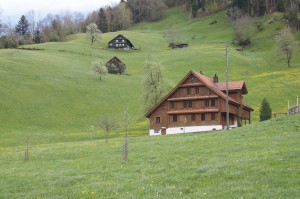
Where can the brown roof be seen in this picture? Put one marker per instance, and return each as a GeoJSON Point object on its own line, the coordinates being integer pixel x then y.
{"type": "Point", "coordinates": [114, 58]}
{"type": "Point", "coordinates": [247, 107]}
{"type": "Point", "coordinates": [232, 86]}
{"type": "Point", "coordinates": [205, 80]}
{"type": "Point", "coordinates": [185, 111]}
{"type": "Point", "coordinates": [193, 97]}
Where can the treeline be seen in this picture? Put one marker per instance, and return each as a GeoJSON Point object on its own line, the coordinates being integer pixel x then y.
{"type": "Point", "coordinates": [252, 8]}
{"type": "Point", "coordinates": [54, 28]}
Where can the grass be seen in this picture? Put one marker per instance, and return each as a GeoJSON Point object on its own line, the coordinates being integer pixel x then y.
{"type": "Point", "coordinates": [255, 161]}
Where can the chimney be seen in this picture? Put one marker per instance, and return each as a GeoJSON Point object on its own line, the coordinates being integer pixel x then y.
{"type": "Point", "coordinates": [216, 78]}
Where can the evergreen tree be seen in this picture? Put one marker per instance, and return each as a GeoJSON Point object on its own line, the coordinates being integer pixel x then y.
{"type": "Point", "coordinates": [102, 22]}
{"type": "Point", "coordinates": [22, 26]}
{"type": "Point", "coordinates": [265, 111]}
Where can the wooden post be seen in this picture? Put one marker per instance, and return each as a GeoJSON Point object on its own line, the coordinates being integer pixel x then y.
{"type": "Point", "coordinates": [227, 106]}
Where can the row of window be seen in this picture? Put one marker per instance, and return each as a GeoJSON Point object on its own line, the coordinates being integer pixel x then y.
{"type": "Point", "coordinates": [203, 117]}
{"type": "Point", "coordinates": [189, 104]}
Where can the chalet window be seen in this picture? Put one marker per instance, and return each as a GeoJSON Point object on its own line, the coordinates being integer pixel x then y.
{"type": "Point", "coordinates": [123, 40]}
{"type": "Point", "coordinates": [193, 117]}
{"type": "Point", "coordinates": [193, 79]}
{"type": "Point", "coordinates": [213, 103]}
{"type": "Point", "coordinates": [213, 116]}
{"type": "Point", "coordinates": [203, 117]}
{"type": "Point", "coordinates": [157, 120]}
{"type": "Point", "coordinates": [172, 104]}
{"type": "Point", "coordinates": [197, 91]}
{"type": "Point", "coordinates": [188, 91]}
{"type": "Point", "coordinates": [187, 104]}
{"type": "Point", "coordinates": [207, 103]}
{"type": "Point", "coordinates": [190, 103]}
{"type": "Point", "coordinates": [174, 118]}
{"type": "Point", "coordinates": [117, 40]}
{"type": "Point", "coordinates": [156, 130]}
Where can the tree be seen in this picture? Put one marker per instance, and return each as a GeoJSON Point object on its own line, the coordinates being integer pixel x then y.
{"type": "Point", "coordinates": [99, 68]}
{"type": "Point", "coordinates": [286, 44]}
{"type": "Point", "coordinates": [22, 26]}
{"type": "Point", "coordinates": [102, 22]}
{"type": "Point", "coordinates": [243, 29]}
{"type": "Point", "coordinates": [154, 87]}
{"type": "Point", "coordinates": [107, 124]}
{"type": "Point", "coordinates": [93, 33]}
{"type": "Point", "coordinates": [265, 111]}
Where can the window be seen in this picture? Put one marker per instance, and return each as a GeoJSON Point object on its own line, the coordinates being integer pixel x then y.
{"type": "Point", "coordinates": [213, 116]}
{"type": "Point", "coordinates": [207, 103]}
{"type": "Point", "coordinates": [156, 130]}
{"type": "Point", "coordinates": [203, 117]}
{"type": "Point", "coordinates": [117, 40]}
{"type": "Point", "coordinates": [188, 91]}
{"type": "Point", "coordinates": [197, 91]}
{"type": "Point", "coordinates": [174, 118]}
{"type": "Point", "coordinates": [123, 40]}
{"type": "Point", "coordinates": [193, 79]}
{"type": "Point", "coordinates": [193, 117]}
{"type": "Point", "coordinates": [172, 105]}
{"type": "Point", "coordinates": [157, 120]}
{"type": "Point", "coordinates": [213, 103]}
{"type": "Point", "coordinates": [187, 104]}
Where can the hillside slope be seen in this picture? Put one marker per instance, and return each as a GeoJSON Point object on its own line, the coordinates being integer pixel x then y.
{"type": "Point", "coordinates": [255, 161]}
{"type": "Point", "coordinates": [52, 95]}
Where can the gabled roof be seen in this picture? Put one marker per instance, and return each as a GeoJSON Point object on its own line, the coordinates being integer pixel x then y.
{"type": "Point", "coordinates": [208, 82]}
{"type": "Point", "coordinates": [113, 59]}
{"type": "Point", "coordinates": [122, 38]}
{"type": "Point", "coordinates": [233, 86]}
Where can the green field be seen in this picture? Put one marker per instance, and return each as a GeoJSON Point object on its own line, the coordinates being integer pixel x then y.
{"type": "Point", "coordinates": [256, 161]}
{"type": "Point", "coordinates": [51, 97]}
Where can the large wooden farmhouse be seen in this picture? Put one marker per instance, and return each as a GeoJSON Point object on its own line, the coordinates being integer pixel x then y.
{"type": "Point", "coordinates": [120, 42]}
{"type": "Point", "coordinates": [198, 103]}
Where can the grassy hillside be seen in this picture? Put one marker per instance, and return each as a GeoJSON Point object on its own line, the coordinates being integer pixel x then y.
{"type": "Point", "coordinates": [51, 95]}
{"type": "Point", "coordinates": [255, 161]}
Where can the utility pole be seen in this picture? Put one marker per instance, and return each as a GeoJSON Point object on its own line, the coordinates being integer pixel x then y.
{"type": "Point", "coordinates": [227, 108]}
{"type": "Point", "coordinates": [297, 100]}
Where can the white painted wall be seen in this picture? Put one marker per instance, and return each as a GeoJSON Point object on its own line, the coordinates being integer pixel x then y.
{"type": "Point", "coordinates": [188, 129]}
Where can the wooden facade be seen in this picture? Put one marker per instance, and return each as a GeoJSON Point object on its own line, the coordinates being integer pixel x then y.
{"type": "Point", "coordinates": [116, 66]}
{"type": "Point", "coordinates": [120, 42]}
{"type": "Point", "coordinates": [198, 103]}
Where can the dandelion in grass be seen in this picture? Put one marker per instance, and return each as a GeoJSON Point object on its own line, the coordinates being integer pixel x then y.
{"type": "Point", "coordinates": [93, 193]}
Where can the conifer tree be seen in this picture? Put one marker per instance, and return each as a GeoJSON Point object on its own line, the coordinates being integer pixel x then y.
{"type": "Point", "coordinates": [265, 111]}
{"type": "Point", "coordinates": [102, 22]}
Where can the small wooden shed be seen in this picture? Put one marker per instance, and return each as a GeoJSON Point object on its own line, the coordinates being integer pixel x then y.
{"type": "Point", "coordinates": [116, 66]}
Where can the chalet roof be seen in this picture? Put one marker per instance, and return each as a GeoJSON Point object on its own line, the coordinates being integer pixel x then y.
{"type": "Point", "coordinates": [233, 86]}
{"type": "Point", "coordinates": [208, 82]}
{"type": "Point", "coordinates": [114, 58]}
{"type": "Point", "coordinates": [122, 38]}
{"type": "Point", "coordinates": [247, 107]}
{"type": "Point", "coordinates": [187, 111]}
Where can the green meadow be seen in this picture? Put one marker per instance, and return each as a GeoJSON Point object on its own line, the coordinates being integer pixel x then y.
{"type": "Point", "coordinates": [51, 97]}
{"type": "Point", "coordinates": [254, 161]}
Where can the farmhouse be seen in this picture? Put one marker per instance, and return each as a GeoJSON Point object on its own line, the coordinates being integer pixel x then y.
{"type": "Point", "coordinates": [198, 103]}
{"type": "Point", "coordinates": [115, 66]}
{"type": "Point", "coordinates": [120, 42]}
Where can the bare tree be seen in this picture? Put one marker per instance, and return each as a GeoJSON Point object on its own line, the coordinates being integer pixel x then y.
{"type": "Point", "coordinates": [286, 44]}
{"type": "Point", "coordinates": [93, 33]}
{"type": "Point", "coordinates": [99, 68]}
{"type": "Point", "coordinates": [243, 29]}
{"type": "Point", "coordinates": [107, 124]}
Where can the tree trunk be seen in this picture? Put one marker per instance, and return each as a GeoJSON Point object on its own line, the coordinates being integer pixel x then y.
{"type": "Point", "coordinates": [289, 61]}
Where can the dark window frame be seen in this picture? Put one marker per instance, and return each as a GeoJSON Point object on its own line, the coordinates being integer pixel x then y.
{"type": "Point", "coordinates": [158, 120]}
{"type": "Point", "coordinates": [193, 117]}
{"type": "Point", "coordinates": [203, 117]}
{"type": "Point", "coordinates": [175, 119]}
{"type": "Point", "coordinates": [213, 103]}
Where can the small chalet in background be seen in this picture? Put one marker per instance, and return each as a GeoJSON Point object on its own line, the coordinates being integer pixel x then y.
{"type": "Point", "coordinates": [120, 42]}
{"type": "Point", "coordinates": [115, 66]}
{"type": "Point", "coordinates": [178, 45]}
{"type": "Point", "coordinates": [198, 103]}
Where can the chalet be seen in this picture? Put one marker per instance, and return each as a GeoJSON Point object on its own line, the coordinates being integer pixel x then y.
{"type": "Point", "coordinates": [115, 66]}
{"type": "Point", "coordinates": [120, 42]}
{"type": "Point", "coordinates": [198, 103]}
{"type": "Point", "coordinates": [178, 45]}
